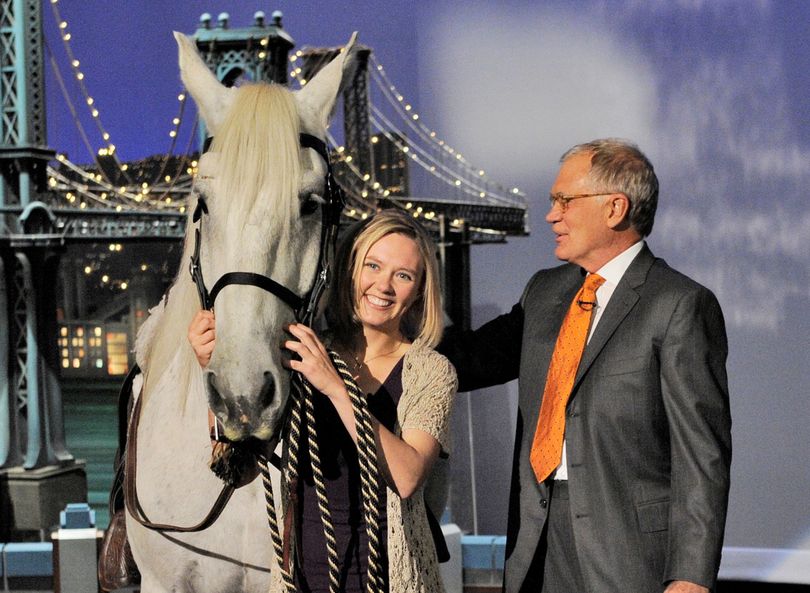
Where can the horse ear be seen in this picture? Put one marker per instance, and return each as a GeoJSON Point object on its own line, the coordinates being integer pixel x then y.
{"type": "Point", "coordinates": [212, 97]}
{"type": "Point", "coordinates": [321, 92]}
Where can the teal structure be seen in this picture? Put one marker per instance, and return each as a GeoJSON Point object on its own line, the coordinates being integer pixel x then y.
{"type": "Point", "coordinates": [258, 53]}
{"type": "Point", "coordinates": [37, 473]}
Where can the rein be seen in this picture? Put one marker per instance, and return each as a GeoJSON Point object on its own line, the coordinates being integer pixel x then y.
{"type": "Point", "coordinates": [302, 418]}
{"type": "Point", "coordinates": [131, 492]}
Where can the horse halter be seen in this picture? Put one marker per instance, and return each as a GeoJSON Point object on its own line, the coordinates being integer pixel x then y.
{"type": "Point", "coordinates": [304, 307]}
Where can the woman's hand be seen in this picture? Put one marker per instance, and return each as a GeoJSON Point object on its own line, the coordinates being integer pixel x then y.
{"type": "Point", "coordinates": [202, 336]}
{"type": "Point", "coordinates": [314, 362]}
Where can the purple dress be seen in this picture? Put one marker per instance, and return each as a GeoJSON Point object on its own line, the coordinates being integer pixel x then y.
{"type": "Point", "coordinates": [341, 474]}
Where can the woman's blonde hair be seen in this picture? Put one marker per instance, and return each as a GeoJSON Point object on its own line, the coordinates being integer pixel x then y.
{"type": "Point", "coordinates": [424, 319]}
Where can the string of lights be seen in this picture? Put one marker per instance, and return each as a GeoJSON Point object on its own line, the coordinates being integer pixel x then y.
{"type": "Point", "coordinates": [173, 134]}
{"type": "Point", "coordinates": [94, 179]}
{"type": "Point", "coordinates": [430, 164]}
{"type": "Point", "coordinates": [109, 149]}
{"type": "Point", "coordinates": [106, 193]}
{"type": "Point", "coordinates": [362, 210]}
{"type": "Point", "coordinates": [415, 122]}
{"type": "Point", "coordinates": [64, 185]}
{"type": "Point", "coordinates": [69, 103]}
{"type": "Point", "coordinates": [182, 175]}
{"type": "Point", "coordinates": [372, 187]}
{"type": "Point", "coordinates": [403, 109]}
{"type": "Point", "coordinates": [458, 175]}
{"type": "Point", "coordinates": [462, 176]}
{"type": "Point", "coordinates": [96, 187]}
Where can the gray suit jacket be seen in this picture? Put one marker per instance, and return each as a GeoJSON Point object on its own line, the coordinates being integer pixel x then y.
{"type": "Point", "coordinates": [648, 428]}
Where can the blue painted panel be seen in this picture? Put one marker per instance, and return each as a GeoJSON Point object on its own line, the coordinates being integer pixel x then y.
{"type": "Point", "coordinates": [28, 559]}
{"type": "Point", "coordinates": [483, 551]}
{"type": "Point", "coordinates": [77, 515]}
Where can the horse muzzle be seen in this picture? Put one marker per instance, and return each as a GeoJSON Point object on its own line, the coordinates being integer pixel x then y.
{"type": "Point", "coordinates": [246, 416]}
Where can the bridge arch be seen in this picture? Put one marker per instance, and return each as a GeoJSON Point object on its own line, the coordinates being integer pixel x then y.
{"type": "Point", "coordinates": [37, 218]}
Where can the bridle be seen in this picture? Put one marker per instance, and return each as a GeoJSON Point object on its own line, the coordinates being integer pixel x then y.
{"type": "Point", "coordinates": [304, 307]}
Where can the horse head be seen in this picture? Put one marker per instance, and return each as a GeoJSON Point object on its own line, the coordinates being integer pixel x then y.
{"type": "Point", "coordinates": [262, 192]}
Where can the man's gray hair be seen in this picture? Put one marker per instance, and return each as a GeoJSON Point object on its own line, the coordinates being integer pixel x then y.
{"type": "Point", "coordinates": [619, 166]}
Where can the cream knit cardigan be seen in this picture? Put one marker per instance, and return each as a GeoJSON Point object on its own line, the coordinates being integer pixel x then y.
{"type": "Point", "coordinates": [429, 385]}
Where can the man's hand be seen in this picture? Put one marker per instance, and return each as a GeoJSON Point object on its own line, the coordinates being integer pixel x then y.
{"type": "Point", "coordinates": [685, 587]}
{"type": "Point", "coordinates": [202, 336]}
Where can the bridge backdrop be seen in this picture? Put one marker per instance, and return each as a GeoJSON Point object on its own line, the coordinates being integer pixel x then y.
{"type": "Point", "coordinates": [85, 249]}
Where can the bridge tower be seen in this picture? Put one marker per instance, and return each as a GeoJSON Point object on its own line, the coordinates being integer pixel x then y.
{"type": "Point", "coordinates": [38, 476]}
{"type": "Point", "coordinates": [258, 53]}
{"type": "Point", "coordinates": [356, 127]}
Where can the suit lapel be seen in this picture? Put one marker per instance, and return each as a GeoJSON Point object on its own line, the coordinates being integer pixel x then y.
{"type": "Point", "coordinates": [551, 302]}
{"type": "Point", "coordinates": [622, 301]}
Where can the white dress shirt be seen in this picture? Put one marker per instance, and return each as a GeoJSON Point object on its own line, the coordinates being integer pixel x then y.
{"type": "Point", "coordinates": [612, 272]}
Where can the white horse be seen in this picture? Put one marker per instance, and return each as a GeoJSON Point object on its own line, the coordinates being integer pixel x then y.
{"type": "Point", "coordinates": [258, 184]}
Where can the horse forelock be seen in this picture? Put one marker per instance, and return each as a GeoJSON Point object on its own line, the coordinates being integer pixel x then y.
{"type": "Point", "coordinates": [258, 161]}
{"type": "Point", "coordinates": [161, 340]}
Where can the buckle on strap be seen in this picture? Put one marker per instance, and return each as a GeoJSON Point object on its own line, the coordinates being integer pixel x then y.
{"type": "Point", "coordinates": [195, 269]}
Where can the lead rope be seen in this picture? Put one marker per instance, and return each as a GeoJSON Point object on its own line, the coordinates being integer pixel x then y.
{"type": "Point", "coordinates": [369, 475]}
{"type": "Point", "coordinates": [275, 533]}
{"type": "Point", "coordinates": [369, 479]}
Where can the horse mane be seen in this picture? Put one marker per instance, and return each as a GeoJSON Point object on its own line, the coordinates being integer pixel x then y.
{"type": "Point", "coordinates": [258, 174]}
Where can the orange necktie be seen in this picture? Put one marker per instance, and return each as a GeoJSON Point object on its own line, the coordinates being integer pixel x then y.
{"type": "Point", "coordinates": [548, 438]}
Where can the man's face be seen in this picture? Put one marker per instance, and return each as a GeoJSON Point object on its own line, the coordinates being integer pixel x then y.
{"type": "Point", "coordinates": [582, 234]}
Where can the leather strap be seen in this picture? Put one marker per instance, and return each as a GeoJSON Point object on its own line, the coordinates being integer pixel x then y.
{"type": "Point", "coordinates": [305, 308]}
{"type": "Point", "coordinates": [315, 143]}
{"type": "Point", "coordinates": [131, 492]}
{"type": "Point", "coordinates": [264, 282]}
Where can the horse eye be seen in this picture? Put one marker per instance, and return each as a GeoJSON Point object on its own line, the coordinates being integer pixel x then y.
{"type": "Point", "coordinates": [309, 206]}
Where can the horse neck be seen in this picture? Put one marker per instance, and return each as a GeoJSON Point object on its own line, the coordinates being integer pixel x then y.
{"type": "Point", "coordinates": [161, 345]}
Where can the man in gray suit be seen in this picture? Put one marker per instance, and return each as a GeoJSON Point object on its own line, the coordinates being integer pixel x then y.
{"type": "Point", "coordinates": [637, 502]}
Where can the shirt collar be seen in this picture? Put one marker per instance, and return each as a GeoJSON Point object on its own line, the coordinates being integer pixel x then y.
{"type": "Point", "coordinates": [613, 271]}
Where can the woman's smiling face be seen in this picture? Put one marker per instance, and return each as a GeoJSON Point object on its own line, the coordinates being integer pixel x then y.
{"type": "Point", "coordinates": [390, 281]}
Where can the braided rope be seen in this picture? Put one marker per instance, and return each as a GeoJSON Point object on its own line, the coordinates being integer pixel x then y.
{"type": "Point", "coordinates": [369, 475]}
{"type": "Point", "coordinates": [369, 478]}
{"type": "Point", "coordinates": [294, 434]}
{"type": "Point", "coordinates": [275, 533]}
{"type": "Point", "coordinates": [320, 491]}
{"type": "Point", "coordinates": [289, 473]}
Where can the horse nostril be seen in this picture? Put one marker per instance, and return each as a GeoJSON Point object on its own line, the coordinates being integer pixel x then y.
{"type": "Point", "coordinates": [268, 392]}
{"type": "Point", "coordinates": [215, 400]}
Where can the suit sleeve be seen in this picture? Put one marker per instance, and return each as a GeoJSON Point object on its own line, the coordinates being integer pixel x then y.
{"type": "Point", "coordinates": [489, 355]}
{"type": "Point", "coordinates": [695, 392]}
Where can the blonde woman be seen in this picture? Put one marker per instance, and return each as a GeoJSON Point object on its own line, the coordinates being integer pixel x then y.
{"type": "Point", "coordinates": [385, 317]}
